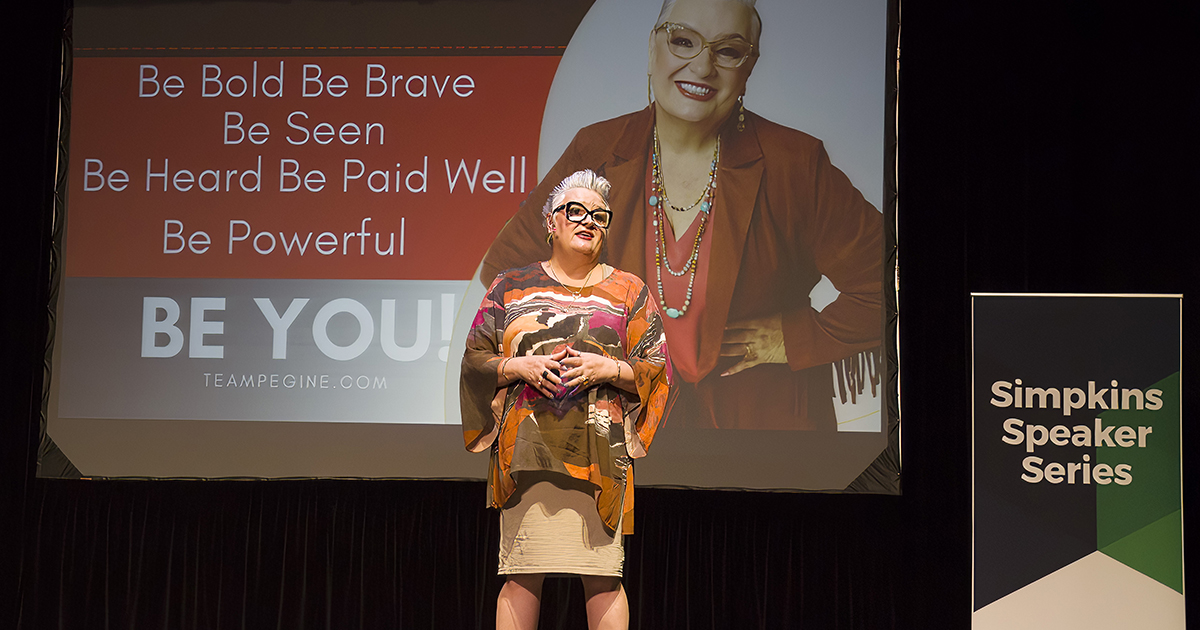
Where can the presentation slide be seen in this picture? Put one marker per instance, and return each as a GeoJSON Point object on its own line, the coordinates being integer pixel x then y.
{"type": "Point", "coordinates": [281, 218]}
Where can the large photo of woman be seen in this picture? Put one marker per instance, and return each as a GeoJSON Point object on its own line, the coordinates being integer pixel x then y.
{"type": "Point", "coordinates": [764, 257]}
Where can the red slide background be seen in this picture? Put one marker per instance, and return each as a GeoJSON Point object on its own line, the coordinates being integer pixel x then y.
{"type": "Point", "coordinates": [121, 233]}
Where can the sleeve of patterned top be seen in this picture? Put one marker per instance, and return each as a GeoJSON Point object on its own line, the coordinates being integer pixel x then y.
{"type": "Point", "coordinates": [646, 352]}
{"type": "Point", "coordinates": [478, 390]}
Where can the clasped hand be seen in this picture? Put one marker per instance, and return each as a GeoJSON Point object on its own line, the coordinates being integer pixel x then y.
{"type": "Point", "coordinates": [563, 372]}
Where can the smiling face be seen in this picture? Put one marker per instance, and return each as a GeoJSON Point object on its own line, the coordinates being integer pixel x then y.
{"type": "Point", "coordinates": [696, 90]}
{"type": "Point", "coordinates": [572, 238]}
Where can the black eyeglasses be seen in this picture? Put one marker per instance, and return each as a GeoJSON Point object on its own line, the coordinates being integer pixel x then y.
{"type": "Point", "coordinates": [578, 213]}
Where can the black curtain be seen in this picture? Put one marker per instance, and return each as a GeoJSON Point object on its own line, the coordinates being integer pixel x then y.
{"type": "Point", "coordinates": [418, 554]}
{"type": "Point", "coordinates": [1043, 147]}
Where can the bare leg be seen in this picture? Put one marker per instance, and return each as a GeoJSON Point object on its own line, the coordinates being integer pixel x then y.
{"type": "Point", "coordinates": [520, 602]}
{"type": "Point", "coordinates": [607, 607]}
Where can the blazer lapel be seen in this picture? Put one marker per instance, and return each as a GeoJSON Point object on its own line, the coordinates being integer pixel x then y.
{"type": "Point", "coordinates": [627, 173]}
{"type": "Point", "coordinates": [739, 176]}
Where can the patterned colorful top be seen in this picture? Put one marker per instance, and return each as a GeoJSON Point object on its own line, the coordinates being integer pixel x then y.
{"type": "Point", "coordinates": [591, 434]}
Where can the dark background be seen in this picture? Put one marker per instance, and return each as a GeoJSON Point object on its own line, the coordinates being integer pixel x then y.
{"type": "Point", "coordinates": [1043, 147]}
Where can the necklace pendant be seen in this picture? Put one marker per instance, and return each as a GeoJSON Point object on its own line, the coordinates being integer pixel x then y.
{"type": "Point", "coordinates": [673, 313]}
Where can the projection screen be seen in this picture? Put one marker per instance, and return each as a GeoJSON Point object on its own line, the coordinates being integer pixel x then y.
{"type": "Point", "coordinates": [276, 215]}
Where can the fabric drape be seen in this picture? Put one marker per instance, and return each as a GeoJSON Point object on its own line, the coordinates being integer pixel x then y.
{"type": "Point", "coordinates": [353, 554]}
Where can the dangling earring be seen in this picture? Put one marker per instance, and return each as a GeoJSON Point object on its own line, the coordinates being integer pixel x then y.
{"type": "Point", "coordinates": [741, 124]}
{"type": "Point", "coordinates": [550, 238]}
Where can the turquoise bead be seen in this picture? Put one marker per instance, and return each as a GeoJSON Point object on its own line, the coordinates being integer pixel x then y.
{"type": "Point", "coordinates": [673, 313]}
{"type": "Point", "coordinates": [653, 200]}
{"type": "Point", "coordinates": [704, 207]}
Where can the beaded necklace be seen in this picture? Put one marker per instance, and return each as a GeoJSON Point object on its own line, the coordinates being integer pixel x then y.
{"type": "Point", "coordinates": [658, 201]}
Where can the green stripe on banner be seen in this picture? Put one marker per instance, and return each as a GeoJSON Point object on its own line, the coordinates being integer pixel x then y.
{"type": "Point", "coordinates": [1139, 523]}
{"type": "Point", "coordinates": [1154, 550]}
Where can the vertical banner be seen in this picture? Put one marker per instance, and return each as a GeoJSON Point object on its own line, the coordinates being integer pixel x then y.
{"type": "Point", "coordinates": [1078, 515]}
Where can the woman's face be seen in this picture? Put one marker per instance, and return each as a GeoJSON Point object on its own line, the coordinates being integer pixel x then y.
{"type": "Point", "coordinates": [697, 90]}
{"type": "Point", "coordinates": [578, 238]}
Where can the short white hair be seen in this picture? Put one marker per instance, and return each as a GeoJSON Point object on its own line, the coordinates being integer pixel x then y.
{"type": "Point", "coordinates": [755, 23]}
{"type": "Point", "coordinates": [586, 179]}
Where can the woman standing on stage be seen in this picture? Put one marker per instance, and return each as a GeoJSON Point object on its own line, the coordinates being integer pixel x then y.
{"type": "Point", "coordinates": [565, 377]}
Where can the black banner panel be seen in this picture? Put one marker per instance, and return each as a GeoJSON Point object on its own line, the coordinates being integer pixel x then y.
{"type": "Point", "coordinates": [1077, 462]}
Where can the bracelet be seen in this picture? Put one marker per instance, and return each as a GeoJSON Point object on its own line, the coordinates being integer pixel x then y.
{"type": "Point", "coordinates": [618, 369]}
{"type": "Point", "coordinates": [506, 360]}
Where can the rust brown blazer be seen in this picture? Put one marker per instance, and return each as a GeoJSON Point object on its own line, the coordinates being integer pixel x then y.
{"type": "Point", "coordinates": [783, 217]}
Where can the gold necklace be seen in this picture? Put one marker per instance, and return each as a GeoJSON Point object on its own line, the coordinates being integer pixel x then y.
{"type": "Point", "coordinates": [659, 196]}
{"type": "Point", "coordinates": [576, 294]}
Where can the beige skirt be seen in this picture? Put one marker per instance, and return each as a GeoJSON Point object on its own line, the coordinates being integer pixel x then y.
{"type": "Point", "coordinates": [550, 525]}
